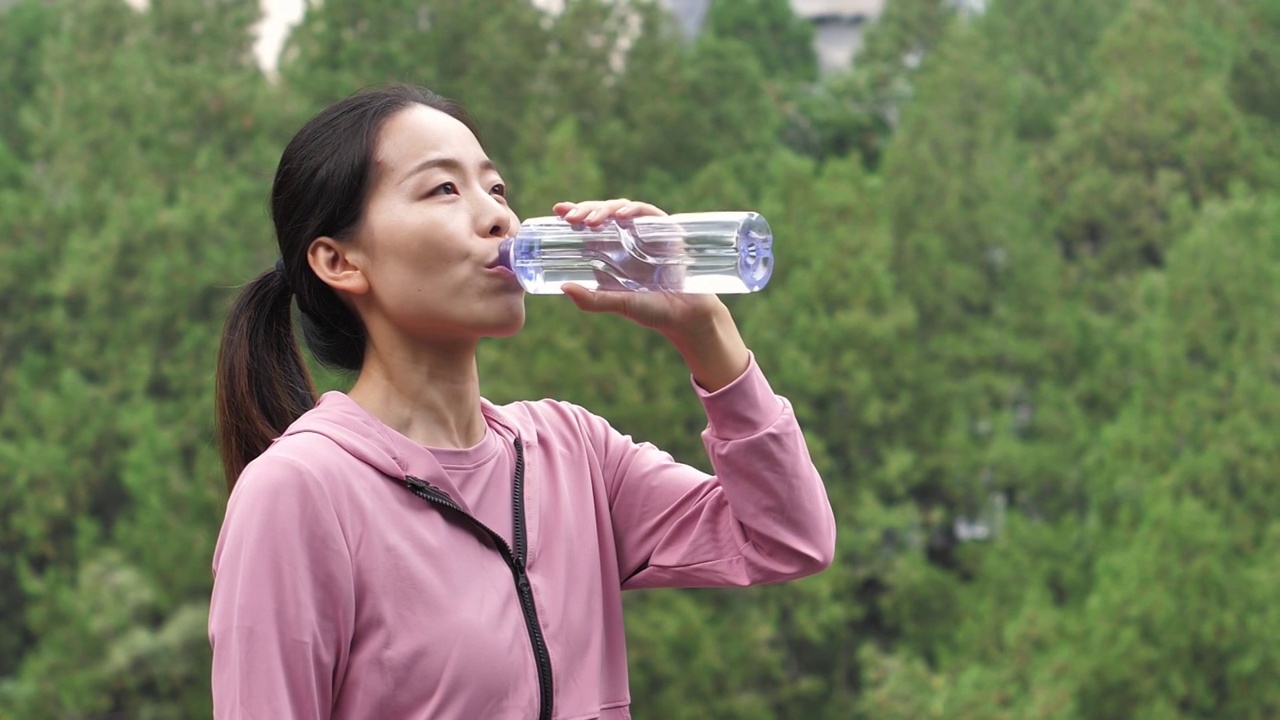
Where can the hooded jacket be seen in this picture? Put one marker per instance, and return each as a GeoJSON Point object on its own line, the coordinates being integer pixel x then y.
{"type": "Point", "coordinates": [351, 585]}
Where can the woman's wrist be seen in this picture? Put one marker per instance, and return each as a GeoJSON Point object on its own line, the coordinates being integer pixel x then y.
{"type": "Point", "coordinates": [713, 349]}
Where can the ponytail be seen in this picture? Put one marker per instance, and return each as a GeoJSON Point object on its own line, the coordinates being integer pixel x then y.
{"type": "Point", "coordinates": [262, 382]}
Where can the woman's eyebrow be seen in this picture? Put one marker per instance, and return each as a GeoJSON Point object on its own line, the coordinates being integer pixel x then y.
{"type": "Point", "coordinates": [447, 163]}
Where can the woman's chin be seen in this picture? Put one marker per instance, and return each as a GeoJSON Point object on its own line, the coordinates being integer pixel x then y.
{"type": "Point", "coordinates": [507, 329]}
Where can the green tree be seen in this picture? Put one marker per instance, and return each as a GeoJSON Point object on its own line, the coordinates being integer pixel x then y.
{"type": "Point", "coordinates": [488, 55]}
{"type": "Point", "coordinates": [779, 40]}
{"type": "Point", "coordinates": [1046, 52]}
{"type": "Point", "coordinates": [1154, 602]}
{"type": "Point", "coordinates": [23, 28]}
{"type": "Point", "coordinates": [715, 107]}
{"type": "Point", "coordinates": [858, 109]}
{"type": "Point", "coordinates": [1022, 306]}
{"type": "Point", "coordinates": [151, 134]}
{"type": "Point", "coordinates": [1187, 587]}
{"type": "Point", "coordinates": [1147, 147]}
{"type": "Point", "coordinates": [577, 80]}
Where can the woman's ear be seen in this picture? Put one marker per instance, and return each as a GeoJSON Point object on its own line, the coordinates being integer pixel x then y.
{"type": "Point", "coordinates": [337, 265]}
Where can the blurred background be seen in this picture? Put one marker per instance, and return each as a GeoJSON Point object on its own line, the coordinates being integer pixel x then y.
{"type": "Point", "coordinates": [1025, 304]}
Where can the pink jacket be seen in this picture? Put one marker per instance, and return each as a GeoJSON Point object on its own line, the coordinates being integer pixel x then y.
{"type": "Point", "coordinates": [350, 586]}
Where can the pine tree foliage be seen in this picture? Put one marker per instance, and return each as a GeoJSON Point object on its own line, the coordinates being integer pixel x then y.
{"type": "Point", "coordinates": [1023, 307]}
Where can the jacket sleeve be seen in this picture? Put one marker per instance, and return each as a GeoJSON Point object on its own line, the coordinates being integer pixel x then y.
{"type": "Point", "coordinates": [282, 609]}
{"type": "Point", "coordinates": [764, 516]}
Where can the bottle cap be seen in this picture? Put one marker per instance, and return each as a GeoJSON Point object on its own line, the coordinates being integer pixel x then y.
{"type": "Point", "coordinates": [504, 254]}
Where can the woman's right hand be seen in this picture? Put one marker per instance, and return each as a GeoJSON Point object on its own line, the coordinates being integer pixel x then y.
{"type": "Point", "coordinates": [698, 325]}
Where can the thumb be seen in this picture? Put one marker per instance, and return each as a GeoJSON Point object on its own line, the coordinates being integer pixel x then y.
{"type": "Point", "coordinates": [596, 301]}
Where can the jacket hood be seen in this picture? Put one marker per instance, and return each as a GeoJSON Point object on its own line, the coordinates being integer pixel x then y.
{"type": "Point", "coordinates": [340, 419]}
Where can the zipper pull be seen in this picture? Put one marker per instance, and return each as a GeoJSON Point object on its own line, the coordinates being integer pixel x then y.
{"type": "Point", "coordinates": [420, 485]}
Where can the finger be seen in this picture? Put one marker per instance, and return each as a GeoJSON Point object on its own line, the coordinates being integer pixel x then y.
{"type": "Point", "coordinates": [576, 212]}
{"type": "Point", "coordinates": [596, 212]}
{"type": "Point", "coordinates": [604, 210]}
{"type": "Point", "coordinates": [592, 212]}
{"type": "Point", "coordinates": [638, 209]}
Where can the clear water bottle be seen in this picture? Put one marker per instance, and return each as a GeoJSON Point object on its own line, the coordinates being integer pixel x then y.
{"type": "Point", "coordinates": [708, 252]}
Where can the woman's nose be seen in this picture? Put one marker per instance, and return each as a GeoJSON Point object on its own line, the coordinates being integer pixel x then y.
{"type": "Point", "coordinates": [496, 218]}
{"type": "Point", "coordinates": [502, 222]}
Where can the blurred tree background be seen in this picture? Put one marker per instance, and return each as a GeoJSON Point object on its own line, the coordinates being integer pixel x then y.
{"type": "Point", "coordinates": [1026, 302]}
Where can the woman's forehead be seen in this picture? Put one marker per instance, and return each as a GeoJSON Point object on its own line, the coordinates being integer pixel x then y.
{"type": "Point", "coordinates": [419, 133]}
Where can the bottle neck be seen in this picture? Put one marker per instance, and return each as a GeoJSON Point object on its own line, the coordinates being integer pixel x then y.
{"type": "Point", "coordinates": [505, 250]}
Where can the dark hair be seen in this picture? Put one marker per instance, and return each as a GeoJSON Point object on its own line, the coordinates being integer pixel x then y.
{"type": "Point", "coordinates": [320, 189]}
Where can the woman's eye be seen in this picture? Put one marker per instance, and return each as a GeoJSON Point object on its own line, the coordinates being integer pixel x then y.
{"type": "Point", "coordinates": [445, 189]}
{"type": "Point", "coordinates": [499, 190]}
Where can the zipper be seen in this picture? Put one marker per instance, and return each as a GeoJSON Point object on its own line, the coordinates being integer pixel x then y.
{"type": "Point", "coordinates": [516, 561]}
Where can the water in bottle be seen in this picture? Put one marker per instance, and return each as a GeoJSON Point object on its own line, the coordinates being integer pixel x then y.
{"type": "Point", "coordinates": [710, 252]}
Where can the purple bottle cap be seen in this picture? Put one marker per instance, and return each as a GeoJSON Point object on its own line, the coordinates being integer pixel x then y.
{"type": "Point", "coordinates": [504, 254]}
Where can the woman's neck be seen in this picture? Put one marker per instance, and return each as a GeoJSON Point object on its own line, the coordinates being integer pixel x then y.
{"type": "Point", "coordinates": [431, 395]}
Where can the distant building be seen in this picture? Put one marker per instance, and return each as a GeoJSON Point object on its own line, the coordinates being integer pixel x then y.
{"type": "Point", "coordinates": [690, 14]}
{"type": "Point", "coordinates": [838, 27]}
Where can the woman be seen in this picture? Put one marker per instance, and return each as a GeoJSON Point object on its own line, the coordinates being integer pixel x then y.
{"type": "Point", "coordinates": [409, 550]}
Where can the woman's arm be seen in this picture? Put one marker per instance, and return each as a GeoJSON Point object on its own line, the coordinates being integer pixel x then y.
{"type": "Point", "coordinates": [763, 517]}
{"type": "Point", "coordinates": [282, 609]}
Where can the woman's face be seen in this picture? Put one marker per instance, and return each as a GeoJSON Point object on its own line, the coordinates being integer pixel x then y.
{"type": "Point", "coordinates": [429, 236]}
